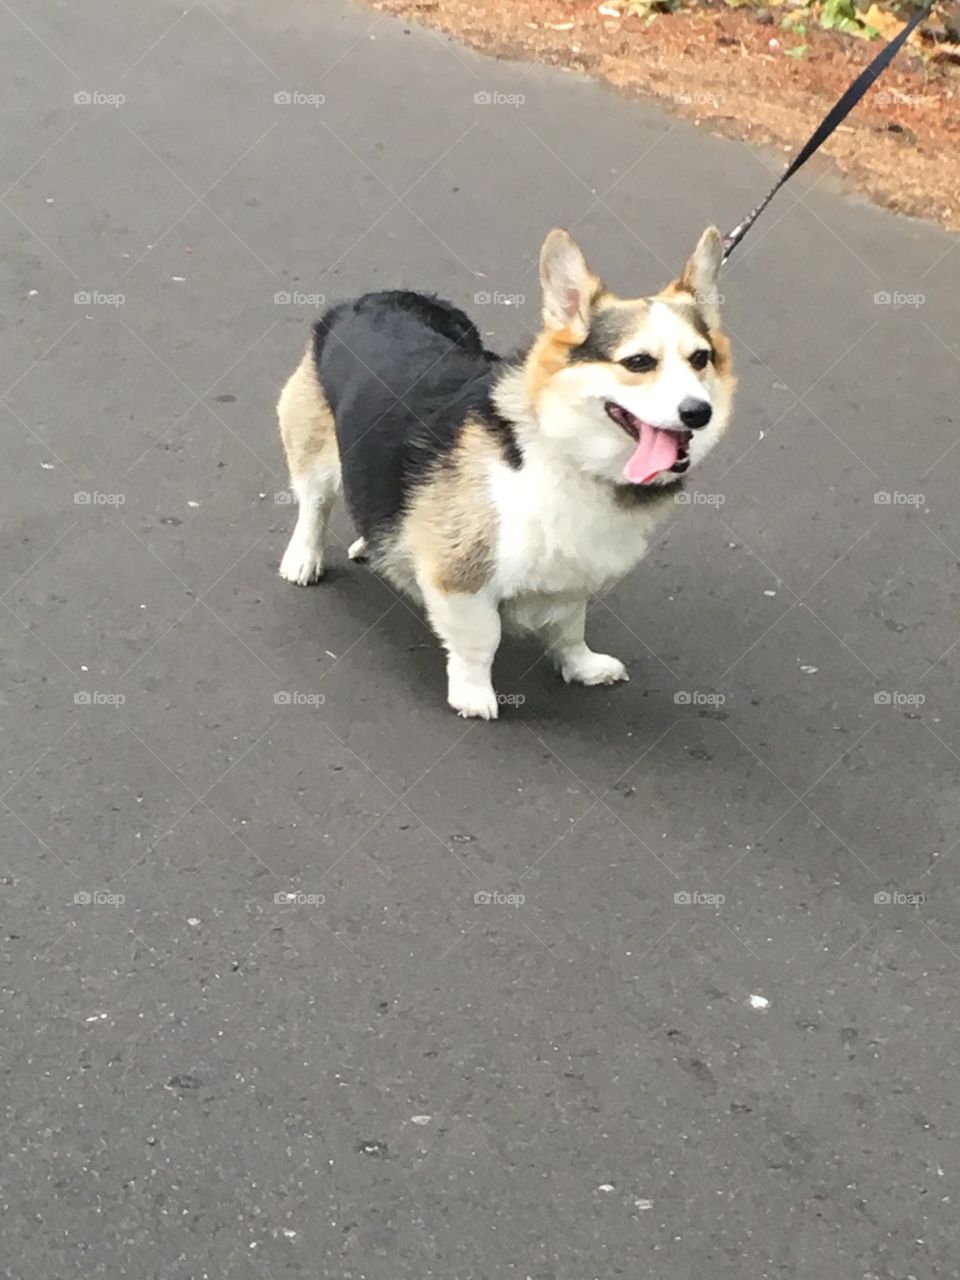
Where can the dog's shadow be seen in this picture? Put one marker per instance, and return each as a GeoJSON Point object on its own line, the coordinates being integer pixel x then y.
{"type": "Point", "coordinates": [533, 696]}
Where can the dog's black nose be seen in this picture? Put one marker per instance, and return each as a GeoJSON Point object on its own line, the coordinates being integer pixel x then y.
{"type": "Point", "coordinates": [694, 413]}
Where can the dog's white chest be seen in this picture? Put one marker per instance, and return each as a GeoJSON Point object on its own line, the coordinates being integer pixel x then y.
{"type": "Point", "coordinates": [561, 533]}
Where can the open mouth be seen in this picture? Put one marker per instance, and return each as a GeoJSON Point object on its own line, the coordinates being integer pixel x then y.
{"type": "Point", "coordinates": [657, 448]}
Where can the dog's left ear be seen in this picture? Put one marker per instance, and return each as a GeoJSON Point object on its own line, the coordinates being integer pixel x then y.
{"type": "Point", "coordinates": [701, 275]}
{"type": "Point", "coordinates": [569, 287]}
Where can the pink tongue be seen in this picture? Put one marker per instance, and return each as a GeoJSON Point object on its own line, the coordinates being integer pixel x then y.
{"type": "Point", "coordinates": [656, 451]}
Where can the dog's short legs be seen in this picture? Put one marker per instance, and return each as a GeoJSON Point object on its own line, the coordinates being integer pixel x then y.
{"type": "Point", "coordinates": [358, 550]}
{"type": "Point", "coordinates": [469, 626]}
{"type": "Point", "coordinates": [563, 635]}
{"type": "Point", "coordinates": [316, 491]}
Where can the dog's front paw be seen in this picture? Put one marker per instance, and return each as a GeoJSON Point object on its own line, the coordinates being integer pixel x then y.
{"type": "Point", "coordinates": [301, 564]}
{"type": "Point", "coordinates": [593, 668]}
{"type": "Point", "coordinates": [477, 701]}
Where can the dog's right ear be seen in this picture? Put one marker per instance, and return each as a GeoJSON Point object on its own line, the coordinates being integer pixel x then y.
{"type": "Point", "coordinates": [569, 287]}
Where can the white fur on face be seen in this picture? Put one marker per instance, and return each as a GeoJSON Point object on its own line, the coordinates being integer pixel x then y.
{"type": "Point", "coordinates": [572, 407]}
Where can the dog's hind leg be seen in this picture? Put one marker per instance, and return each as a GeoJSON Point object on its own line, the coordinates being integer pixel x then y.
{"type": "Point", "coordinates": [310, 441]}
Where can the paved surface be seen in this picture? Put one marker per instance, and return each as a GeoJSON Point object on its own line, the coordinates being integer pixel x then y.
{"type": "Point", "coordinates": [386, 1078]}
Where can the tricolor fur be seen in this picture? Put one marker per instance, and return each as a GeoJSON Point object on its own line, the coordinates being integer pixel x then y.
{"type": "Point", "coordinates": [507, 490]}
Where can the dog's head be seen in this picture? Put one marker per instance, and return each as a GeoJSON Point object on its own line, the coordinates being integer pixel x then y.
{"type": "Point", "coordinates": [636, 390]}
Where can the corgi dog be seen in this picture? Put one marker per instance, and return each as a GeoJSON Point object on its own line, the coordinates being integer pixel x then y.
{"type": "Point", "coordinates": [504, 492]}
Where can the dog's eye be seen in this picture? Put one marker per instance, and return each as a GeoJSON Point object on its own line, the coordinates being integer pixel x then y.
{"type": "Point", "coordinates": [642, 362]}
{"type": "Point", "coordinates": [700, 359]}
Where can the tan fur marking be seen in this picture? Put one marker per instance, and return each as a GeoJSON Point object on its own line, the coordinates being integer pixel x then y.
{"type": "Point", "coordinates": [723, 357]}
{"type": "Point", "coordinates": [451, 526]}
{"type": "Point", "coordinates": [548, 356]}
{"type": "Point", "coordinates": [306, 422]}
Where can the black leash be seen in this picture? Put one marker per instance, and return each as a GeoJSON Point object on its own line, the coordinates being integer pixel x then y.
{"type": "Point", "coordinates": [835, 117]}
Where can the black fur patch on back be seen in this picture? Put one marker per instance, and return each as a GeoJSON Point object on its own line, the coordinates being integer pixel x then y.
{"type": "Point", "coordinates": [402, 372]}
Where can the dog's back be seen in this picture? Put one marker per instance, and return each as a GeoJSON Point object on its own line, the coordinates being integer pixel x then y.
{"type": "Point", "coordinates": [400, 372]}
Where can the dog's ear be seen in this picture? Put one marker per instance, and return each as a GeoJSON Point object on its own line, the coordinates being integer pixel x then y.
{"type": "Point", "coordinates": [569, 287]}
{"type": "Point", "coordinates": [701, 275]}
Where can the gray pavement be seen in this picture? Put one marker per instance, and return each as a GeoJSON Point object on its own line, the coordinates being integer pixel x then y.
{"type": "Point", "coordinates": [385, 1077]}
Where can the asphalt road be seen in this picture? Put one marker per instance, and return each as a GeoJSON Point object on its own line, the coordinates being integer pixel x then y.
{"type": "Point", "coordinates": [585, 1076]}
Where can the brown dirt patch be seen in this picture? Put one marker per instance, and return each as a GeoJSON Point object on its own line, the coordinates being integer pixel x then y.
{"type": "Point", "coordinates": [730, 70]}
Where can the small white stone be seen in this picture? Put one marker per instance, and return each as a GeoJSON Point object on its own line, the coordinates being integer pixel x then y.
{"type": "Point", "coordinates": [605, 1186]}
{"type": "Point", "coordinates": [420, 1119]}
{"type": "Point", "coordinates": [809, 671]}
{"type": "Point", "coordinates": [759, 1002]}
